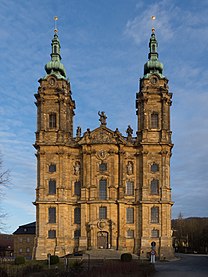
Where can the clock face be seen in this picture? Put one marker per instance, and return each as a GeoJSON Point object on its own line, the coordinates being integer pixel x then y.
{"type": "Point", "coordinates": [154, 80]}
{"type": "Point", "coordinates": [52, 82]}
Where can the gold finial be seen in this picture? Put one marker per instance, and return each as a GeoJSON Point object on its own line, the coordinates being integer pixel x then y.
{"type": "Point", "coordinates": [55, 24]}
{"type": "Point", "coordinates": [153, 17]}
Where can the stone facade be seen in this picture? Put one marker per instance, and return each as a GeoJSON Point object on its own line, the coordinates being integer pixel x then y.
{"type": "Point", "coordinates": [102, 189]}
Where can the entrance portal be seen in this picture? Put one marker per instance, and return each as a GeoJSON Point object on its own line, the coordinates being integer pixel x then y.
{"type": "Point", "coordinates": [102, 240]}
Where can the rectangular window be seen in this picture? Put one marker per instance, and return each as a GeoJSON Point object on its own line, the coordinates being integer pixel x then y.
{"type": "Point", "coordinates": [77, 215]}
{"type": "Point", "coordinates": [130, 234]}
{"type": "Point", "coordinates": [103, 189]}
{"type": "Point", "coordinates": [155, 233]}
{"type": "Point", "coordinates": [77, 188]}
{"type": "Point", "coordinates": [154, 187]}
{"type": "Point", "coordinates": [52, 215]}
{"type": "Point", "coordinates": [154, 120]}
{"type": "Point", "coordinates": [130, 215]}
{"type": "Point", "coordinates": [102, 212]}
{"type": "Point", "coordinates": [130, 188]}
{"type": "Point", "coordinates": [52, 168]}
{"type": "Point", "coordinates": [52, 187]}
{"type": "Point", "coordinates": [155, 215]}
{"type": "Point", "coordinates": [52, 120]}
{"type": "Point", "coordinates": [52, 234]}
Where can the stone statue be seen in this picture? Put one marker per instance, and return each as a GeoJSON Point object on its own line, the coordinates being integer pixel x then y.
{"type": "Point", "coordinates": [129, 131]}
{"type": "Point", "coordinates": [79, 131]}
{"type": "Point", "coordinates": [77, 168]}
{"type": "Point", "coordinates": [103, 118]}
{"type": "Point", "coordinates": [129, 168]}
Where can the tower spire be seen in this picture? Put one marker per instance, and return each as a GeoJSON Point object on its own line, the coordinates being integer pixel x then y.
{"type": "Point", "coordinates": [153, 65]}
{"type": "Point", "coordinates": [54, 66]}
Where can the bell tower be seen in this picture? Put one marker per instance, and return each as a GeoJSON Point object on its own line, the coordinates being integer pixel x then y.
{"type": "Point", "coordinates": [54, 137]}
{"type": "Point", "coordinates": [154, 137]}
{"type": "Point", "coordinates": [55, 107]}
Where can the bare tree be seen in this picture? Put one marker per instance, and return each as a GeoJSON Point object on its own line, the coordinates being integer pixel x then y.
{"type": "Point", "coordinates": [4, 182]}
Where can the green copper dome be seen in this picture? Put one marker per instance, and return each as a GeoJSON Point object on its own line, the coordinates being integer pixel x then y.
{"type": "Point", "coordinates": [55, 66]}
{"type": "Point", "coordinates": [153, 65]}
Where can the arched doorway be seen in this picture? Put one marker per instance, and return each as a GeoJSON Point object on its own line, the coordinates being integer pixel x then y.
{"type": "Point", "coordinates": [102, 240]}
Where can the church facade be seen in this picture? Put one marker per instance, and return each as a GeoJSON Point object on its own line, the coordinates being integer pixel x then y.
{"type": "Point", "coordinates": [101, 189]}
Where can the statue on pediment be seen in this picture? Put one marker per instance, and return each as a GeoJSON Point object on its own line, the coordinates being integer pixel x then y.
{"type": "Point", "coordinates": [103, 118]}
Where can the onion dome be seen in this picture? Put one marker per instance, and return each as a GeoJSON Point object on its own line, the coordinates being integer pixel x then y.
{"type": "Point", "coordinates": [153, 66]}
{"type": "Point", "coordinates": [54, 66]}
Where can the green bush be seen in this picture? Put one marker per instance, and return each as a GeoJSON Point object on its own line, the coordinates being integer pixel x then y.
{"type": "Point", "coordinates": [126, 257]}
{"type": "Point", "coordinates": [19, 260]}
{"type": "Point", "coordinates": [54, 259]}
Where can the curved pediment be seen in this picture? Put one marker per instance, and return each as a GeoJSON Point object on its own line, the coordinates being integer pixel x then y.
{"type": "Point", "coordinates": [102, 135]}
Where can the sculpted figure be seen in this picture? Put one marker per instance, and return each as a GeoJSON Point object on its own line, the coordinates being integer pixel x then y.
{"type": "Point", "coordinates": [103, 118]}
{"type": "Point", "coordinates": [129, 168]}
{"type": "Point", "coordinates": [77, 168]}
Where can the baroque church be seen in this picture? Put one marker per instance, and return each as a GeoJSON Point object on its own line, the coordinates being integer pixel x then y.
{"type": "Point", "coordinates": [102, 189]}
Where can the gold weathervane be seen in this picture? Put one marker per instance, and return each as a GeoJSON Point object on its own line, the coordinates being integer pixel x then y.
{"type": "Point", "coordinates": [153, 18]}
{"type": "Point", "coordinates": [55, 24]}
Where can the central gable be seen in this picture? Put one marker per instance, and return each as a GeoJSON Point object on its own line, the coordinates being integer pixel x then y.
{"type": "Point", "coordinates": [102, 135]}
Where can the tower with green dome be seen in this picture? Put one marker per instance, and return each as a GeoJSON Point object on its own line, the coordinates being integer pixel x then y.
{"type": "Point", "coordinates": [153, 102]}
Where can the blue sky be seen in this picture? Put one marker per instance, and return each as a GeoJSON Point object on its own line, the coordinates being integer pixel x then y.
{"type": "Point", "coordinates": [104, 48]}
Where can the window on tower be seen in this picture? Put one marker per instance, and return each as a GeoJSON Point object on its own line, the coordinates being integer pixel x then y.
{"type": "Point", "coordinates": [130, 234]}
{"type": "Point", "coordinates": [52, 234]}
{"type": "Point", "coordinates": [52, 215]}
{"type": "Point", "coordinates": [130, 215]}
{"type": "Point", "coordinates": [52, 120]}
{"type": "Point", "coordinates": [154, 120]}
{"type": "Point", "coordinates": [103, 189]}
{"type": "Point", "coordinates": [154, 215]}
{"type": "Point", "coordinates": [77, 188]}
{"type": "Point", "coordinates": [52, 168]}
{"type": "Point", "coordinates": [77, 215]}
{"type": "Point", "coordinates": [155, 233]}
{"type": "Point", "coordinates": [52, 186]}
{"type": "Point", "coordinates": [102, 212]}
{"type": "Point", "coordinates": [154, 187]}
{"type": "Point", "coordinates": [154, 167]}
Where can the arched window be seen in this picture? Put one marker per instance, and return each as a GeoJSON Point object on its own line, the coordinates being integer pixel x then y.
{"type": "Point", "coordinates": [103, 189]}
{"type": "Point", "coordinates": [52, 187]}
{"type": "Point", "coordinates": [52, 120]}
{"type": "Point", "coordinates": [154, 167]}
{"type": "Point", "coordinates": [154, 120]}
{"type": "Point", "coordinates": [129, 188]}
{"type": "Point", "coordinates": [155, 215]}
{"type": "Point", "coordinates": [77, 215]}
{"type": "Point", "coordinates": [154, 187]}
